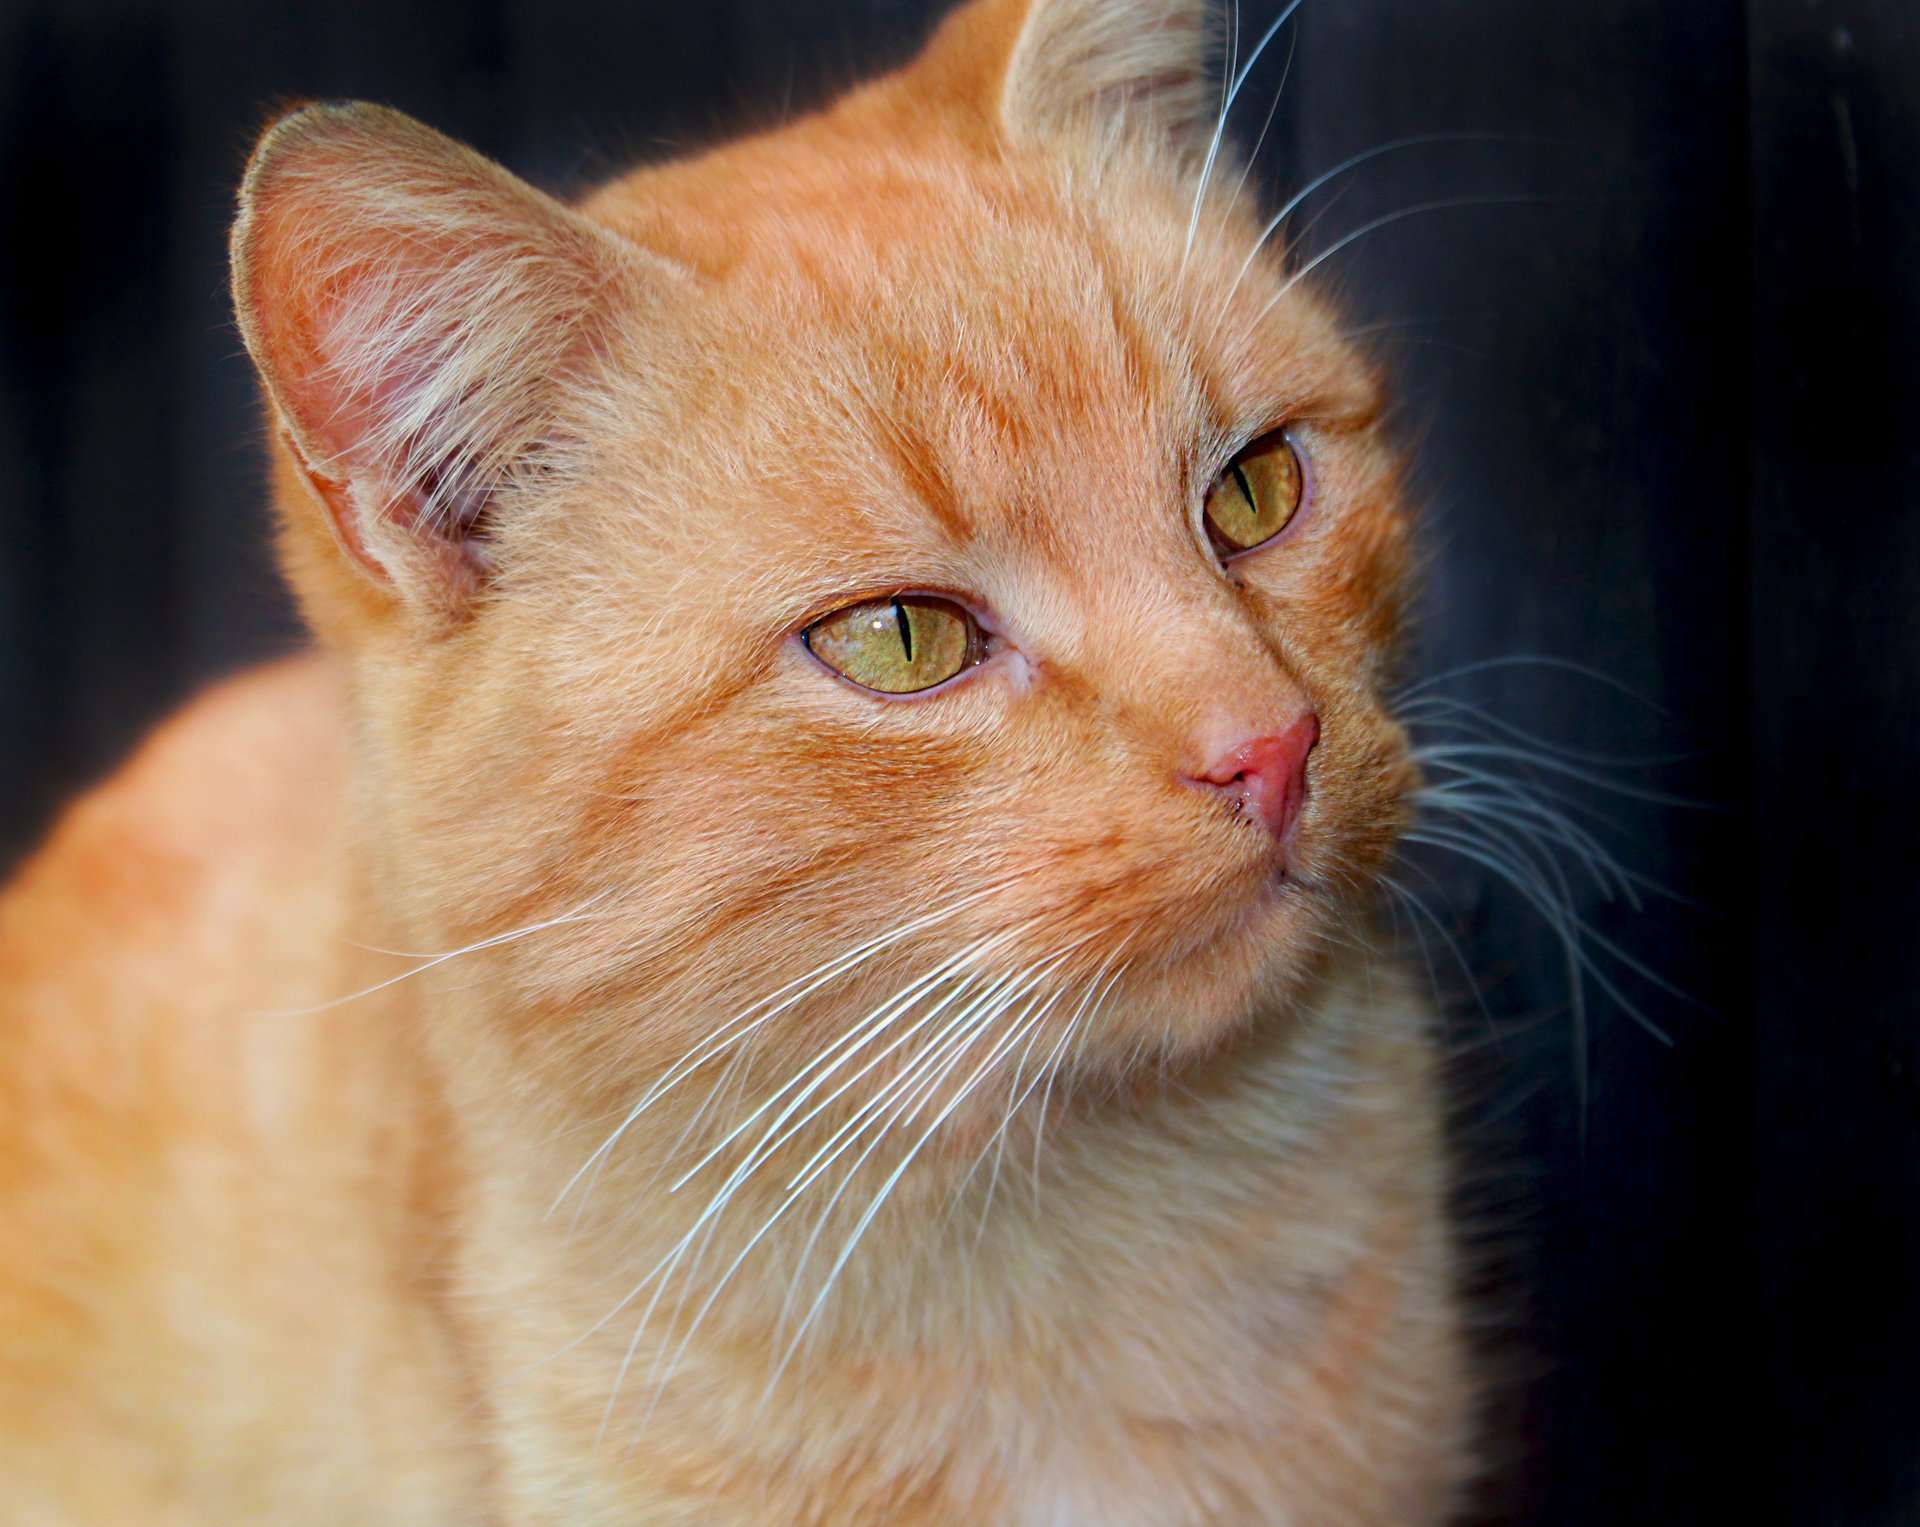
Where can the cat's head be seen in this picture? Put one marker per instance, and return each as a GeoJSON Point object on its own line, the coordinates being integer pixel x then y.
{"type": "Point", "coordinates": [927, 553]}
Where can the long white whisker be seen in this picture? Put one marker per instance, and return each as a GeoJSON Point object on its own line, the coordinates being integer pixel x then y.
{"type": "Point", "coordinates": [665, 1365]}
{"type": "Point", "coordinates": [1473, 750]}
{"type": "Point", "coordinates": [904, 1098]}
{"type": "Point", "coordinates": [1414, 904]}
{"type": "Point", "coordinates": [1470, 774]}
{"type": "Point", "coordinates": [1441, 204]}
{"type": "Point", "coordinates": [1016, 1095]}
{"type": "Point", "coordinates": [1220, 127]}
{"type": "Point", "coordinates": [841, 1051]}
{"type": "Point", "coordinates": [973, 1080]}
{"type": "Point", "coordinates": [856, 1125]}
{"type": "Point", "coordinates": [665, 1274]}
{"type": "Point", "coordinates": [1353, 162]}
{"type": "Point", "coordinates": [997, 999]}
{"type": "Point", "coordinates": [1574, 930]}
{"type": "Point", "coordinates": [1038, 1006]}
{"type": "Point", "coordinates": [797, 1188]}
{"type": "Point", "coordinates": [1082, 1017]}
{"type": "Point", "coordinates": [578, 915]}
{"type": "Point", "coordinates": [1447, 711]}
{"type": "Point", "coordinates": [1253, 154]}
{"type": "Point", "coordinates": [701, 1230]}
{"type": "Point", "coordinates": [1498, 803]}
{"type": "Point", "coordinates": [785, 998]}
{"type": "Point", "coordinates": [1477, 797]}
{"type": "Point", "coordinates": [997, 1141]}
{"type": "Point", "coordinates": [1523, 660]}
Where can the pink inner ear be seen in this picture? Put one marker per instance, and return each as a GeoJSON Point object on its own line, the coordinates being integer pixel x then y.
{"type": "Point", "coordinates": [417, 403]}
{"type": "Point", "coordinates": [413, 309]}
{"type": "Point", "coordinates": [392, 464]}
{"type": "Point", "coordinates": [369, 386]}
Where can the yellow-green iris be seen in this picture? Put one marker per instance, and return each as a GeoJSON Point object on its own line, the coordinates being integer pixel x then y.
{"type": "Point", "coordinates": [1256, 497]}
{"type": "Point", "coordinates": [897, 645]}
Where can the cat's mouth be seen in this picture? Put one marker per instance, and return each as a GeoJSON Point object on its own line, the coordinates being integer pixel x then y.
{"type": "Point", "coordinates": [1208, 968]}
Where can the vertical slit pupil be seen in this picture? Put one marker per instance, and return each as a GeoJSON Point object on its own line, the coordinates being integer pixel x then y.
{"type": "Point", "coordinates": [1246, 488]}
{"type": "Point", "coordinates": [906, 628]}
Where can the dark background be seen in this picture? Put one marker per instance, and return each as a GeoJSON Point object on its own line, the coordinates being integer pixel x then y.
{"type": "Point", "coordinates": [1667, 424]}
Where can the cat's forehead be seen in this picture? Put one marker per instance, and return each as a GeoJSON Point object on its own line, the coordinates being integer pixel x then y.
{"type": "Point", "coordinates": [975, 330]}
{"type": "Point", "coordinates": [936, 244]}
{"type": "Point", "coordinates": [822, 189]}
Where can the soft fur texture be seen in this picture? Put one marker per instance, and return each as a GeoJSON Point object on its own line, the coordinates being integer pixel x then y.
{"type": "Point", "coordinates": [324, 1192]}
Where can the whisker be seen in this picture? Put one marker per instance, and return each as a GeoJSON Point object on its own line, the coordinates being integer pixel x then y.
{"type": "Point", "coordinates": [1220, 127]}
{"type": "Point", "coordinates": [1415, 905]}
{"type": "Point", "coordinates": [1452, 775]}
{"type": "Point", "coordinates": [1575, 932]}
{"type": "Point", "coordinates": [1084, 1014]}
{"type": "Point", "coordinates": [1435, 752]}
{"type": "Point", "coordinates": [998, 999]}
{"type": "Point", "coordinates": [788, 996]}
{"type": "Point", "coordinates": [997, 1140]}
{"type": "Point", "coordinates": [701, 1230]}
{"type": "Point", "coordinates": [1524, 660]}
{"type": "Point", "coordinates": [708, 1218]}
{"type": "Point", "coordinates": [1418, 209]}
{"type": "Point", "coordinates": [935, 1066]}
{"type": "Point", "coordinates": [1494, 802]}
{"type": "Point", "coordinates": [966, 1088]}
{"type": "Point", "coordinates": [842, 1050]}
{"type": "Point", "coordinates": [1354, 162]}
{"type": "Point", "coordinates": [1450, 712]}
{"type": "Point", "coordinates": [431, 962]}
{"type": "Point", "coordinates": [1007, 988]}
{"type": "Point", "coordinates": [1252, 155]}
{"type": "Point", "coordinates": [917, 1080]}
{"type": "Point", "coordinates": [902, 1090]}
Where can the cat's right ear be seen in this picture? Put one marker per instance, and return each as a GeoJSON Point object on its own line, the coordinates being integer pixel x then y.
{"type": "Point", "coordinates": [417, 314]}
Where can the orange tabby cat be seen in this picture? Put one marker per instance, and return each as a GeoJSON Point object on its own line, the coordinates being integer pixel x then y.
{"type": "Point", "coordinates": [787, 960]}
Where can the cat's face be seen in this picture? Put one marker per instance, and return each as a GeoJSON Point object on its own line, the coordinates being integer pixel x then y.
{"type": "Point", "coordinates": [903, 373]}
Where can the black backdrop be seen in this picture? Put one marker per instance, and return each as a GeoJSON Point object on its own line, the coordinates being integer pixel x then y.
{"type": "Point", "coordinates": [1668, 425]}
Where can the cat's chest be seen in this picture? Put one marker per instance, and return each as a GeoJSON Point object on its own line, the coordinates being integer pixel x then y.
{"type": "Point", "coordinates": [1079, 1486]}
{"type": "Point", "coordinates": [1192, 1434]}
{"type": "Point", "coordinates": [1255, 1409]}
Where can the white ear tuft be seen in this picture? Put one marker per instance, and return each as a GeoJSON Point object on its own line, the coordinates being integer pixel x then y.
{"type": "Point", "coordinates": [414, 310]}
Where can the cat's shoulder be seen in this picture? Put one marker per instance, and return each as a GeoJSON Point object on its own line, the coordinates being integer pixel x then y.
{"type": "Point", "coordinates": [191, 1154]}
{"type": "Point", "coordinates": [211, 845]}
{"type": "Point", "coordinates": [245, 772]}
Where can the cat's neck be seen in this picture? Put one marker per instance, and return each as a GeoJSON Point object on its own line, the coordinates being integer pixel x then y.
{"type": "Point", "coordinates": [1120, 1261]}
{"type": "Point", "coordinates": [717, 1206]}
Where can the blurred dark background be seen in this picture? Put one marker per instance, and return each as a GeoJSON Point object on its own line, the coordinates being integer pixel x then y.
{"type": "Point", "coordinates": [1667, 421]}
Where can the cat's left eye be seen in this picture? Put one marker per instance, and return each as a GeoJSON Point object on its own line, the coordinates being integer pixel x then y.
{"type": "Point", "coordinates": [1256, 497]}
{"type": "Point", "coordinates": [899, 645]}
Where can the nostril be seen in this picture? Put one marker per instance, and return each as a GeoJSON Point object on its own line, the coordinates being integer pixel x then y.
{"type": "Point", "coordinates": [1267, 774]}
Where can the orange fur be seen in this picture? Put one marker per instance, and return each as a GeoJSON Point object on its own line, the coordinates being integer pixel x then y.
{"type": "Point", "coordinates": [296, 1229]}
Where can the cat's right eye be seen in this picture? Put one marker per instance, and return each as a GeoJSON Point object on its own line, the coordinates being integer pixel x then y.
{"type": "Point", "coordinates": [899, 645]}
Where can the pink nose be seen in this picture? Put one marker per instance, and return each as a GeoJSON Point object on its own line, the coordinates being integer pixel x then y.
{"type": "Point", "coordinates": [1268, 775]}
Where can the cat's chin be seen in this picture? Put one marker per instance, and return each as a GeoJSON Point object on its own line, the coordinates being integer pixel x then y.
{"type": "Point", "coordinates": [1219, 978]}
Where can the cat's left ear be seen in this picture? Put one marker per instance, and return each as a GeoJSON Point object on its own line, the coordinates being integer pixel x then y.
{"type": "Point", "coordinates": [420, 318]}
{"type": "Point", "coordinates": [1107, 68]}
